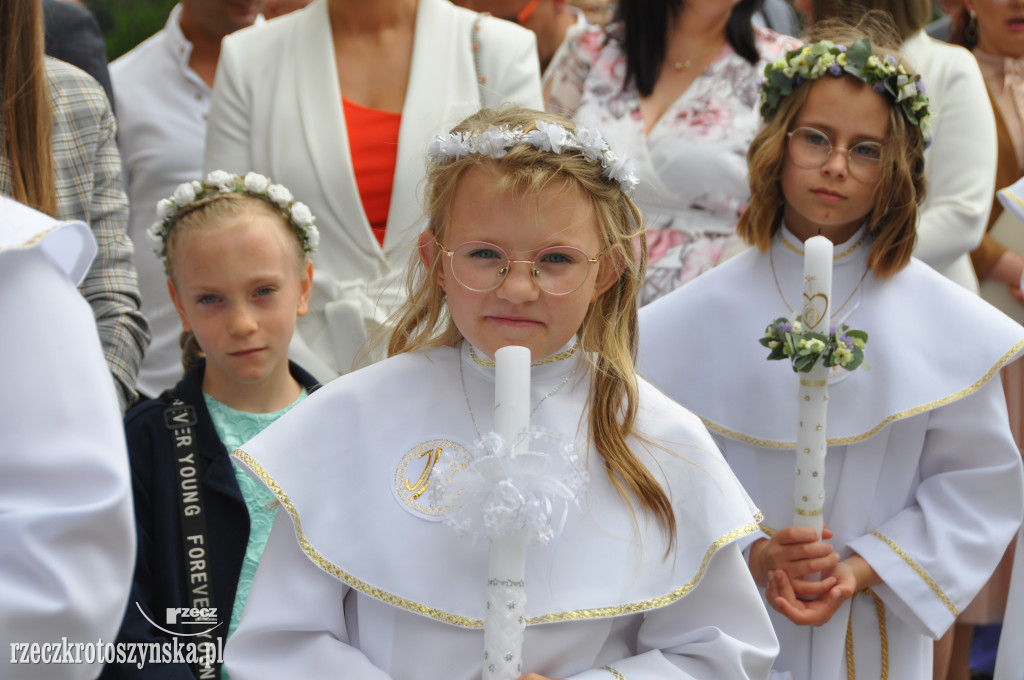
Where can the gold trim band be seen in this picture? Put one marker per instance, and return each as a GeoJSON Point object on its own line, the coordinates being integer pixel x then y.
{"type": "Point", "coordinates": [837, 256]}
{"type": "Point", "coordinates": [34, 241]}
{"type": "Point", "coordinates": [554, 358]}
{"type": "Point", "coordinates": [464, 622]}
{"type": "Point", "coordinates": [839, 441]}
{"type": "Point", "coordinates": [814, 383]}
{"type": "Point", "coordinates": [615, 674]}
{"type": "Point", "coordinates": [919, 570]}
{"type": "Point", "coordinates": [808, 513]}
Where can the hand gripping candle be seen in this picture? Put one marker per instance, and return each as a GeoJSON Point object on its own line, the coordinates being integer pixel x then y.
{"type": "Point", "coordinates": [811, 440]}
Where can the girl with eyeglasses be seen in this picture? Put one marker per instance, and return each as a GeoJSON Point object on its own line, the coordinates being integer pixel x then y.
{"type": "Point", "coordinates": [533, 241]}
{"type": "Point", "coordinates": [922, 479]}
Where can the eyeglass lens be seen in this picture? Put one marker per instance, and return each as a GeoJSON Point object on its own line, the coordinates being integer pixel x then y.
{"type": "Point", "coordinates": [481, 267]}
{"type": "Point", "coordinates": [810, 148]}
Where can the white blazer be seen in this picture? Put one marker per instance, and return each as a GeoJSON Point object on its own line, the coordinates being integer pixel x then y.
{"type": "Point", "coordinates": [960, 165]}
{"type": "Point", "coordinates": [277, 110]}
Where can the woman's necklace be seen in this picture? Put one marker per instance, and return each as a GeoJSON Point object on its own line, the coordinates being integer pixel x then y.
{"type": "Point", "coordinates": [465, 393]}
{"type": "Point", "coordinates": [778, 286]}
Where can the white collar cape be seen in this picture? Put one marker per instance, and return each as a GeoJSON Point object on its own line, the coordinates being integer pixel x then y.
{"type": "Point", "coordinates": [70, 245]}
{"type": "Point", "coordinates": [345, 462]}
{"type": "Point", "coordinates": [930, 343]}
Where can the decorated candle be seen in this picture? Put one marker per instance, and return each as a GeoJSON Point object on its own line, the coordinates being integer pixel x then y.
{"type": "Point", "coordinates": [505, 617]}
{"type": "Point", "coordinates": [811, 440]}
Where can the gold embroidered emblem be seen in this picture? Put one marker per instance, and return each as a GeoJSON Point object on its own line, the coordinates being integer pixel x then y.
{"type": "Point", "coordinates": [412, 475]}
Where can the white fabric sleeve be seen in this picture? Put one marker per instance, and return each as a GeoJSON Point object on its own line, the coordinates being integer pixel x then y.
{"type": "Point", "coordinates": [720, 630]}
{"type": "Point", "coordinates": [936, 554]}
{"type": "Point", "coordinates": [293, 625]}
{"type": "Point", "coordinates": [228, 127]}
{"type": "Point", "coordinates": [960, 167]}
{"type": "Point", "coordinates": [67, 536]}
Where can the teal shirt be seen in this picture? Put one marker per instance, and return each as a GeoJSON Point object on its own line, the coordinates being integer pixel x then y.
{"type": "Point", "coordinates": [234, 428]}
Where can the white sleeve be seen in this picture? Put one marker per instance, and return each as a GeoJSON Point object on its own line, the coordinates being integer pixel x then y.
{"type": "Point", "coordinates": [935, 555]}
{"type": "Point", "coordinates": [228, 126]}
{"type": "Point", "coordinates": [67, 536]}
{"type": "Point", "coordinates": [293, 625]}
{"type": "Point", "coordinates": [719, 631]}
{"type": "Point", "coordinates": [960, 167]}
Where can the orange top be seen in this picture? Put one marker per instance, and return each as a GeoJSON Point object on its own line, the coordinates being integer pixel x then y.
{"type": "Point", "coordinates": [373, 143]}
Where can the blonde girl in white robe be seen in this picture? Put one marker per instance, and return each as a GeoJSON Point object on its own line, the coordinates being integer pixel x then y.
{"type": "Point", "coordinates": [645, 580]}
{"type": "Point", "coordinates": [923, 486]}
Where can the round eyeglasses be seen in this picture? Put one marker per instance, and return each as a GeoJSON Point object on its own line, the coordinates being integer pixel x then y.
{"type": "Point", "coordinates": [481, 267]}
{"type": "Point", "coordinates": [811, 149]}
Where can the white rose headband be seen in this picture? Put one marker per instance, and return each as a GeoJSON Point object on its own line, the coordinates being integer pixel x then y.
{"type": "Point", "coordinates": [495, 142]}
{"type": "Point", "coordinates": [221, 182]}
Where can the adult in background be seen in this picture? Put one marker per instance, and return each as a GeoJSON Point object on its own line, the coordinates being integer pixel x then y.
{"type": "Point", "coordinates": [73, 35]}
{"type": "Point", "coordinates": [162, 94]}
{"type": "Point", "coordinates": [67, 543]}
{"type": "Point", "coordinates": [675, 84]}
{"type": "Point", "coordinates": [985, 28]}
{"type": "Point", "coordinates": [960, 165]}
{"type": "Point", "coordinates": [338, 101]}
{"type": "Point", "coordinates": [550, 20]}
{"type": "Point", "coordinates": [275, 8]}
{"type": "Point", "coordinates": [57, 133]}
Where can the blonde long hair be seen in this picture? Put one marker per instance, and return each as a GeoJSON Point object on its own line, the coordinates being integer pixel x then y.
{"type": "Point", "coordinates": [26, 116]}
{"type": "Point", "coordinates": [901, 184]}
{"type": "Point", "coordinates": [609, 329]}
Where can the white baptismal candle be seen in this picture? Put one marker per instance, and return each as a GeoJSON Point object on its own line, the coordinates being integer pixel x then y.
{"type": "Point", "coordinates": [505, 617]}
{"type": "Point", "coordinates": [809, 490]}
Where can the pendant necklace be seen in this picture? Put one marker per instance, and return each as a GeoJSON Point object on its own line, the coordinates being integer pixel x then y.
{"type": "Point", "coordinates": [486, 362]}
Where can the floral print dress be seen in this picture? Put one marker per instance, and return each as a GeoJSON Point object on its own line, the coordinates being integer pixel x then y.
{"type": "Point", "coordinates": [692, 164]}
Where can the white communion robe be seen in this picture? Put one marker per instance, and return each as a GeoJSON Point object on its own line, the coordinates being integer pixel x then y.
{"type": "Point", "coordinates": [922, 477]}
{"type": "Point", "coordinates": [67, 534]}
{"type": "Point", "coordinates": [360, 576]}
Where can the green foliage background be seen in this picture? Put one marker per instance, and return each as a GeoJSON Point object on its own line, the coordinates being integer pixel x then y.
{"type": "Point", "coordinates": [126, 23]}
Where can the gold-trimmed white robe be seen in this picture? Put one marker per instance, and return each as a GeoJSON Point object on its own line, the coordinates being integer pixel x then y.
{"type": "Point", "coordinates": [922, 476]}
{"type": "Point", "coordinates": [360, 577]}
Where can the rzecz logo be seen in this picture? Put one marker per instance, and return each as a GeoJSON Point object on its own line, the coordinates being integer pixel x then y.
{"type": "Point", "coordinates": [205, 617]}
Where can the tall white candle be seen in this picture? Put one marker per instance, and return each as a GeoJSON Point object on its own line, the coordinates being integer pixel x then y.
{"type": "Point", "coordinates": [811, 441]}
{"type": "Point", "coordinates": [505, 617]}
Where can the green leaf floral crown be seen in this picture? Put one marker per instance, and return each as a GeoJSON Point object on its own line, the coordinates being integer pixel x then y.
{"type": "Point", "coordinates": [221, 182]}
{"type": "Point", "coordinates": [883, 74]}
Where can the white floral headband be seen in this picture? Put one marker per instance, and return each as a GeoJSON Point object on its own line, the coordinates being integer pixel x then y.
{"type": "Point", "coordinates": [221, 182]}
{"type": "Point", "coordinates": [495, 142]}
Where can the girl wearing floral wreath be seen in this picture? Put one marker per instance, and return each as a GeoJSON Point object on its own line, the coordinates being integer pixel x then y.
{"type": "Point", "coordinates": [922, 479]}
{"type": "Point", "coordinates": [533, 242]}
{"type": "Point", "coordinates": [236, 254]}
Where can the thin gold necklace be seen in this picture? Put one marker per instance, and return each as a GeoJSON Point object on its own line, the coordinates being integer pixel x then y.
{"type": "Point", "coordinates": [465, 392]}
{"type": "Point", "coordinates": [778, 286]}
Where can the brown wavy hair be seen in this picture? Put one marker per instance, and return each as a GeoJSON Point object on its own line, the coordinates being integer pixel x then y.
{"type": "Point", "coordinates": [608, 334]}
{"type": "Point", "coordinates": [26, 116]}
{"type": "Point", "coordinates": [900, 189]}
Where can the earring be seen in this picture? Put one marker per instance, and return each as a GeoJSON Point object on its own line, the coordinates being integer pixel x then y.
{"type": "Point", "coordinates": [971, 30]}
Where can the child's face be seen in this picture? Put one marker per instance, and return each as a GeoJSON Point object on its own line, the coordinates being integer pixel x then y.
{"type": "Point", "coordinates": [239, 287]}
{"type": "Point", "coordinates": [518, 312]}
{"type": "Point", "coordinates": [828, 198]}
